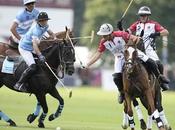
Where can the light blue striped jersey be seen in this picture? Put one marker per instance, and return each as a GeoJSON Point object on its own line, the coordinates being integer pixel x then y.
{"type": "Point", "coordinates": [25, 19]}
{"type": "Point", "coordinates": [35, 31]}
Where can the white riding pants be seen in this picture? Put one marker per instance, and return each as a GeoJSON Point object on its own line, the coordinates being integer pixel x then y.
{"type": "Point", "coordinates": [141, 55]}
{"type": "Point", "coordinates": [27, 56]}
{"type": "Point", "coordinates": [119, 62]}
{"type": "Point", "coordinates": [152, 54]}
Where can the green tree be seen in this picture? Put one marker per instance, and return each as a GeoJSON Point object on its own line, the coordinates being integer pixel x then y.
{"type": "Point", "coordinates": [98, 12]}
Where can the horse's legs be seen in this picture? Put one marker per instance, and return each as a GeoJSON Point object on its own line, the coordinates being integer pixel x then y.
{"type": "Point", "coordinates": [42, 99]}
{"type": "Point", "coordinates": [125, 122]}
{"type": "Point", "coordinates": [151, 108]}
{"type": "Point", "coordinates": [139, 114]}
{"type": "Point", "coordinates": [33, 116]}
{"type": "Point", "coordinates": [129, 111]}
{"type": "Point", "coordinates": [149, 122]}
{"type": "Point", "coordinates": [56, 95]}
{"type": "Point", "coordinates": [161, 111]}
{"type": "Point", "coordinates": [7, 119]}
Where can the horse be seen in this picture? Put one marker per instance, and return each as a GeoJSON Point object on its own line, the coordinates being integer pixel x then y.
{"type": "Point", "coordinates": [137, 83]}
{"type": "Point", "coordinates": [58, 53]}
{"type": "Point", "coordinates": [157, 102]}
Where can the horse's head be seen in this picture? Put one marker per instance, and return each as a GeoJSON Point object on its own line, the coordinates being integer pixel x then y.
{"type": "Point", "coordinates": [130, 60]}
{"type": "Point", "coordinates": [68, 56]}
{"type": "Point", "coordinates": [61, 57]}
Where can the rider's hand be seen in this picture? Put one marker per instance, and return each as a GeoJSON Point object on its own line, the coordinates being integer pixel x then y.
{"type": "Point", "coordinates": [154, 35]}
{"type": "Point", "coordinates": [42, 58]}
{"type": "Point", "coordinates": [119, 25]}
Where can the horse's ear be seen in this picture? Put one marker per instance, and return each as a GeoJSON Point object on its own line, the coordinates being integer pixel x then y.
{"type": "Point", "coordinates": [66, 28]}
{"type": "Point", "coordinates": [126, 54]}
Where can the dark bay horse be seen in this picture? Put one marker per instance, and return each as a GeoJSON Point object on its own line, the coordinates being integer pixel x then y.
{"type": "Point", "coordinates": [43, 81]}
{"type": "Point", "coordinates": [137, 83]}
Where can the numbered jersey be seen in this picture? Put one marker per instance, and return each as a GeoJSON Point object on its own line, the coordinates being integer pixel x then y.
{"type": "Point", "coordinates": [148, 27]}
{"type": "Point", "coordinates": [25, 20]}
{"type": "Point", "coordinates": [117, 45]}
{"type": "Point", "coordinates": [35, 31]}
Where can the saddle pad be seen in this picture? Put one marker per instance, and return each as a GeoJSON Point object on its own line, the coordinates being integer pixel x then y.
{"type": "Point", "coordinates": [7, 67]}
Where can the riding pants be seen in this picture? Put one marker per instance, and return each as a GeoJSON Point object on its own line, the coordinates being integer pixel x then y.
{"type": "Point", "coordinates": [141, 55]}
{"type": "Point", "coordinates": [119, 62]}
{"type": "Point", "coordinates": [27, 56]}
{"type": "Point", "coordinates": [152, 54]}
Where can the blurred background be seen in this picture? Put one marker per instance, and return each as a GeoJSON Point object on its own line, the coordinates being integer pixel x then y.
{"type": "Point", "coordinates": [83, 16]}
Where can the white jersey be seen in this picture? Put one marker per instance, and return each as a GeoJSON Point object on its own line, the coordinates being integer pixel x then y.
{"type": "Point", "coordinates": [148, 27]}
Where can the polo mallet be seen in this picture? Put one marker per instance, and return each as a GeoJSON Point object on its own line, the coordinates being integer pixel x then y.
{"type": "Point", "coordinates": [91, 37]}
{"type": "Point", "coordinates": [67, 36]}
{"type": "Point", "coordinates": [68, 90]}
{"type": "Point", "coordinates": [126, 10]}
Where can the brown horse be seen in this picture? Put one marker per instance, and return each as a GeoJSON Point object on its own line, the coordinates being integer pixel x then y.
{"type": "Point", "coordinates": [137, 83]}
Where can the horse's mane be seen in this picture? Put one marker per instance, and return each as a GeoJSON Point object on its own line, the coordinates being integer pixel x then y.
{"type": "Point", "coordinates": [44, 44]}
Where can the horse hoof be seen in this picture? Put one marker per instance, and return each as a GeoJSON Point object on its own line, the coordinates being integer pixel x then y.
{"type": "Point", "coordinates": [51, 117]}
{"type": "Point", "coordinates": [143, 124]}
{"type": "Point", "coordinates": [12, 123]}
{"type": "Point", "coordinates": [31, 118]}
{"type": "Point", "coordinates": [124, 126]}
{"type": "Point", "coordinates": [41, 125]}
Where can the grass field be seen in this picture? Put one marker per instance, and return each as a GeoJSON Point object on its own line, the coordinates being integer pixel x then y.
{"type": "Point", "coordinates": [88, 109]}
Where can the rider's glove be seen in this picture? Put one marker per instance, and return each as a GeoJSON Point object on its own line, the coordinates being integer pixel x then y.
{"type": "Point", "coordinates": [154, 35]}
{"type": "Point", "coordinates": [42, 58]}
{"type": "Point", "coordinates": [119, 25]}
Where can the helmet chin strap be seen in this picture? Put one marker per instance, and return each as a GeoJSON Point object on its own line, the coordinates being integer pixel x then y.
{"type": "Point", "coordinates": [42, 26]}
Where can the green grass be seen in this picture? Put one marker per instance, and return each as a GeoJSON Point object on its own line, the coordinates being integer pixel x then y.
{"type": "Point", "coordinates": [88, 109]}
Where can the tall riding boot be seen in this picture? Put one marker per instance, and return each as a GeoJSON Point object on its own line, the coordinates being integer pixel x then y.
{"type": "Point", "coordinates": [154, 68]}
{"type": "Point", "coordinates": [24, 77]}
{"type": "Point", "coordinates": [117, 78]}
{"type": "Point", "coordinates": [164, 86]}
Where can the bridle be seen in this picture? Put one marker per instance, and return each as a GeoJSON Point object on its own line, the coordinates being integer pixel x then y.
{"type": "Point", "coordinates": [60, 70]}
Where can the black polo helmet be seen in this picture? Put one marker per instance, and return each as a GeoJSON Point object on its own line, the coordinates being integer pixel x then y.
{"type": "Point", "coordinates": [42, 16]}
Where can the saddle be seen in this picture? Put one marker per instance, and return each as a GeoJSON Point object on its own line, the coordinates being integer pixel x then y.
{"type": "Point", "coordinates": [10, 64]}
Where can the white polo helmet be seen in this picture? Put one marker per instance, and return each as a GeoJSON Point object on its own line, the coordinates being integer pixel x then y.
{"type": "Point", "coordinates": [144, 10]}
{"type": "Point", "coordinates": [28, 1]}
{"type": "Point", "coordinates": [105, 29]}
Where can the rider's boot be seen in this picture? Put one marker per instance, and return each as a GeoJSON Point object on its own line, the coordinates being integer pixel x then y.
{"type": "Point", "coordinates": [164, 86]}
{"type": "Point", "coordinates": [154, 68]}
{"type": "Point", "coordinates": [24, 77]}
{"type": "Point", "coordinates": [117, 78]}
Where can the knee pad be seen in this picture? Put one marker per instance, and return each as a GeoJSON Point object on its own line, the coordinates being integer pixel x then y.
{"type": "Point", "coordinates": [118, 80]}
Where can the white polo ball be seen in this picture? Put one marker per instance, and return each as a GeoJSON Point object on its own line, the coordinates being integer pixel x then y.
{"type": "Point", "coordinates": [58, 128]}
